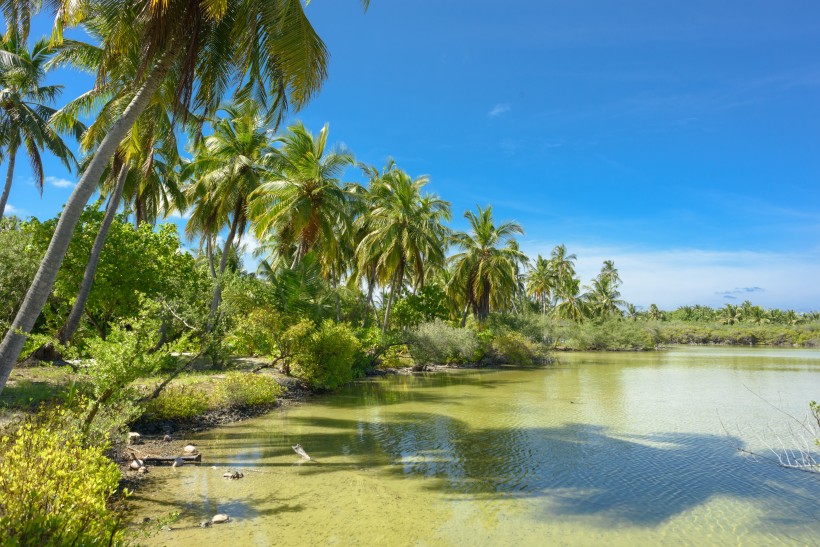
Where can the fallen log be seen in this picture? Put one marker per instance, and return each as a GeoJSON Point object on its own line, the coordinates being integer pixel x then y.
{"type": "Point", "coordinates": [159, 460]}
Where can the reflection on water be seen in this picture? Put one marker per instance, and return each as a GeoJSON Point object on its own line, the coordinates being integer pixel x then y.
{"type": "Point", "coordinates": [600, 448]}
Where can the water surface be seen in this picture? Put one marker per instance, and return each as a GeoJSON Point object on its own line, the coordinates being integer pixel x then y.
{"type": "Point", "coordinates": [612, 448]}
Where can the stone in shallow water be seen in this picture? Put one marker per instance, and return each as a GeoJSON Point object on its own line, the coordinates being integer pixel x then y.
{"type": "Point", "coordinates": [189, 449]}
{"type": "Point", "coordinates": [220, 518]}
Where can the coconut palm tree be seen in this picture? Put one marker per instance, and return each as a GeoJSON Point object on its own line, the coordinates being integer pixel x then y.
{"type": "Point", "coordinates": [562, 264]}
{"type": "Point", "coordinates": [228, 167]}
{"type": "Point", "coordinates": [404, 231]}
{"type": "Point", "coordinates": [24, 109]}
{"type": "Point", "coordinates": [609, 271]}
{"type": "Point", "coordinates": [269, 48]}
{"type": "Point", "coordinates": [572, 304]}
{"type": "Point", "coordinates": [146, 158]}
{"type": "Point", "coordinates": [486, 269]}
{"type": "Point", "coordinates": [602, 296]}
{"type": "Point", "coordinates": [540, 282]}
{"type": "Point", "coordinates": [654, 313]}
{"type": "Point", "coordinates": [303, 203]}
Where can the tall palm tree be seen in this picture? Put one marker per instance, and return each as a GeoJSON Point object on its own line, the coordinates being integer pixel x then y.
{"type": "Point", "coordinates": [210, 48]}
{"type": "Point", "coordinates": [229, 166]}
{"type": "Point", "coordinates": [24, 109]}
{"type": "Point", "coordinates": [304, 202]}
{"type": "Point", "coordinates": [147, 157]}
{"type": "Point", "coordinates": [540, 282]}
{"type": "Point", "coordinates": [609, 271]}
{"type": "Point", "coordinates": [486, 269]}
{"type": "Point", "coordinates": [563, 265]}
{"type": "Point", "coordinates": [404, 231]}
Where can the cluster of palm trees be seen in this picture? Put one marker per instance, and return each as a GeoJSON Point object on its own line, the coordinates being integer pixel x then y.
{"type": "Point", "coordinates": [553, 285]}
{"type": "Point", "coordinates": [166, 67]}
{"type": "Point", "coordinates": [158, 66]}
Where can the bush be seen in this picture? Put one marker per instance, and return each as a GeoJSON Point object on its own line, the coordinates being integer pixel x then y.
{"type": "Point", "coordinates": [516, 349]}
{"type": "Point", "coordinates": [247, 389]}
{"type": "Point", "coordinates": [254, 333]}
{"type": "Point", "coordinates": [323, 356]}
{"type": "Point", "coordinates": [438, 342]}
{"type": "Point", "coordinates": [177, 403]}
{"type": "Point", "coordinates": [56, 491]}
{"type": "Point", "coordinates": [613, 334]}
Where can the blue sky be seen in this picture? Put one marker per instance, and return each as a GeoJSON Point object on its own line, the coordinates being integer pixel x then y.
{"type": "Point", "coordinates": [678, 138]}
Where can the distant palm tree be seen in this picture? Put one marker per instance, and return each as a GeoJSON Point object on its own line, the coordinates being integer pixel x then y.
{"type": "Point", "coordinates": [572, 304]}
{"type": "Point", "coordinates": [486, 269]}
{"type": "Point", "coordinates": [24, 109]}
{"type": "Point", "coordinates": [603, 298]}
{"type": "Point", "coordinates": [562, 264]}
{"type": "Point", "coordinates": [654, 313]}
{"type": "Point", "coordinates": [540, 282]}
{"type": "Point", "coordinates": [730, 314]}
{"type": "Point", "coordinates": [229, 167]}
{"type": "Point", "coordinates": [404, 231]}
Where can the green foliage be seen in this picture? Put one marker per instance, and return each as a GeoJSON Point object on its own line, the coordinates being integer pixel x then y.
{"type": "Point", "coordinates": [243, 389]}
{"type": "Point", "coordinates": [255, 333]}
{"type": "Point", "coordinates": [517, 349]}
{"type": "Point", "coordinates": [177, 402]}
{"type": "Point", "coordinates": [134, 264]}
{"type": "Point", "coordinates": [19, 260]}
{"type": "Point", "coordinates": [613, 334]}
{"type": "Point", "coordinates": [427, 304]}
{"type": "Point", "coordinates": [438, 342]}
{"type": "Point", "coordinates": [55, 490]}
{"type": "Point", "coordinates": [323, 355]}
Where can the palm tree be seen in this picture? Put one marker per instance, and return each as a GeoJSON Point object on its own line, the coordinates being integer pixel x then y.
{"type": "Point", "coordinates": [654, 313]}
{"type": "Point", "coordinates": [730, 315]}
{"type": "Point", "coordinates": [486, 269]}
{"type": "Point", "coordinates": [540, 281]}
{"type": "Point", "coordinates": [602, 297]}
{"type": "Point", "coordinates": [304, 202]}
{"type": "Point", "coordinates": [229, 166]}
{"type": "Point", "coordinates": [632, 312]}
{"type": "Point", "coordinates": [572, 305]}
{"type": "Point", "coordinates": [24, 110]}
{"type": "Point", "coordinates": [609, 271]}
{"type": "Point", "coordinates": [268, 47]}
{"type": "Point", "coordinates": [404, 231]}
{"type": "Point", "coordinates": [562, 264]}
{"type": "Point", "coordinates": [150, 146]}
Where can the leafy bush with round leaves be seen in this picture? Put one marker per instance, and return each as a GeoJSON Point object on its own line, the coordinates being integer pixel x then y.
{"type": "Point", "coordinates": [324, 355]}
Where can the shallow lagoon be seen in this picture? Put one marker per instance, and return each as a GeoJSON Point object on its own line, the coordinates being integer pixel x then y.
{"type": "Point", "coordinates": [612, 448]}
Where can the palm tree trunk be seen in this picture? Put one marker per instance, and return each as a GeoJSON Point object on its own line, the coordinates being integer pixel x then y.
{"type": "Point", "coordinates": [43, 282]}
{"type": "Point", "coordinates": [209, 251]}
{"type": "Point", "coordinates": [464, 315]}
{"type": "Point", "coordinates": [9, 177]}
{"type": "Point", "coordinates": [223, 263]}
{"type": "Point", "coordinates": [73, 321]}
{"type": "Point", "coordinates": [371, 284]}
{"type": "Point", "coordinates": [397, 284]}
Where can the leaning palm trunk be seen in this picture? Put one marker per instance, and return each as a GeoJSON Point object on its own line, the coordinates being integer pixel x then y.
{"type": "Point", "coordinates": [223, 264]}
{"type": "Point", "coordinates": [9, 176]}
{"type": "Point", "coordinates": [43, 282]}
{"type": "Point", "coordinates": [76, 314]}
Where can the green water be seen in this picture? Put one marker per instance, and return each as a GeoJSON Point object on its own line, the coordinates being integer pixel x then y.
{"type": "Point", "coordinates": [614, 449]}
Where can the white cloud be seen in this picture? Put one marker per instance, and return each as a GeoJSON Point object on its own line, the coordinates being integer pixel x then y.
{"type": "Point", "coordinates": [12, 210]}
{"type": "Point", "coordinates": [677, 277]}
{"type": "Point", "coordinates": [499, 109]}
{"type": "Point", "coordinates": [60, 183]}
{"type": "Point", "coordinates": [180, 215]}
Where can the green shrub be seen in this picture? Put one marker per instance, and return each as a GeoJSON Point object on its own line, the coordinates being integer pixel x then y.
{"type": "Point", "coordinates": [247, 389]}
{"type": "Point", "coordinates": [323, 356]}
{"type": "Point", "coordinates": [613, 334]}
{"type": "Point", "coordinates": [56, 491]}
{"type": "Point", "coordinates": [438, 342]}
{"type": "Point", "coordinates": [176, 403]}
{"type": "Point", "coordinates": [516, 349]}
{"type": "Point", "coordinates": [254, 333]}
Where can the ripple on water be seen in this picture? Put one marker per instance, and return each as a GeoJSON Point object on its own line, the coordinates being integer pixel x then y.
{"type": "Point", "coordinates": [615, 451]}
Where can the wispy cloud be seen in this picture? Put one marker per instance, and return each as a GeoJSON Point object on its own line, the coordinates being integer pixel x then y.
{"type": "Point", "coordinates": [499, 109]}
{"type": "Point", "coordinates": [179, 215]}
{"type": "Point", "coordinates": [60, 183]}
{"type": "Point", "coordinates": [739, 290]}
